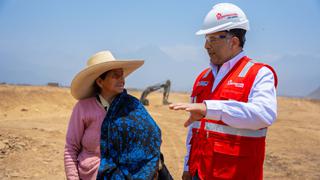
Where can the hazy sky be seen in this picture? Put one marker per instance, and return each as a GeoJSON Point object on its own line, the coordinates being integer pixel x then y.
{"type": "Point", "coordinates": [50, 41]}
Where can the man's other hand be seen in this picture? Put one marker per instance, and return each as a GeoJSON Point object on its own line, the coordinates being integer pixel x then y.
{"type": "Point", "coordinates": [186, 175]}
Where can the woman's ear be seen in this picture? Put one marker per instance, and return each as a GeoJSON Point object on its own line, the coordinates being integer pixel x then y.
{"type": "Point", "coordinates": [99, 82]}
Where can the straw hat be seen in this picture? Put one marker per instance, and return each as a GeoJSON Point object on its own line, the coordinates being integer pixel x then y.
{"type": "Point", "coordinates": [82, 84]}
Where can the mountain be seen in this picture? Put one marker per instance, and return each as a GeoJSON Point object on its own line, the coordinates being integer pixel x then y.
{"type": "Point", "coordinates": [315, 94]}
{"type": "Point", "coordinates": [297, 74]}
{"type": "Point", "coordinates": [159, 67]}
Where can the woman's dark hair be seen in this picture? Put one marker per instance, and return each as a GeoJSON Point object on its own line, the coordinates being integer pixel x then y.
{"type": "Point", "coordinates": [240, 34]}
{"type": "Point", "coordinates": [96, 88]}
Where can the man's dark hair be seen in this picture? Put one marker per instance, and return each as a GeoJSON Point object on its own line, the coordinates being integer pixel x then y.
{"type": "Point", "coordinates": [240, 34]}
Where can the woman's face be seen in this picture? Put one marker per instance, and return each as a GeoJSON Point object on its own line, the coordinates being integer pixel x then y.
{"type": "Point", "coordinates": [113, 83]}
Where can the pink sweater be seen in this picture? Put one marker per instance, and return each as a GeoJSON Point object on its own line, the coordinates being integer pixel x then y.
{"type": "Point", "coordinates": [82, 149]}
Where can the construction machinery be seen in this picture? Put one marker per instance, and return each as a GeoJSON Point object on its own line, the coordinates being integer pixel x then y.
{"type": "Point", "coordinates": [165, 85]}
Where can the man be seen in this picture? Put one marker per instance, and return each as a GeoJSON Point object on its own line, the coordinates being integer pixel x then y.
{"type": "Point", "coordinates": [233, 103]}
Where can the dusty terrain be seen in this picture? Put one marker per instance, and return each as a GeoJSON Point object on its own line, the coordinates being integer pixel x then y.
{"type": "Point", "coordinates": [33, 122]}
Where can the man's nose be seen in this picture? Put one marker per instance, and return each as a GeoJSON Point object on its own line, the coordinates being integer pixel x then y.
{"type": "Point", "coordinates": [207, 45]}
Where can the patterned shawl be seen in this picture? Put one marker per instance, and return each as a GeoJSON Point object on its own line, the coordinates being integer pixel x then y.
{"type": "Point", "coordinates": [130, 141]}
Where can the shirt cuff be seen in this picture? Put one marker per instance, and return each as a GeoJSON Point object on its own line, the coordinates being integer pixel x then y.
{"type": "Point", "coordinates": [214, 110]}
{"type": "Point", "coordinates": [186, 167]}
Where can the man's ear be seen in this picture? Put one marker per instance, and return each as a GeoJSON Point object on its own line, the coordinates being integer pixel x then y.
{"type": "Point", "coordinates": [235, 41]}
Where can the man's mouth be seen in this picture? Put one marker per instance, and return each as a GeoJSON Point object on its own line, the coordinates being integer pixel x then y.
{"type": "Point", "coordinates": [211, 53]}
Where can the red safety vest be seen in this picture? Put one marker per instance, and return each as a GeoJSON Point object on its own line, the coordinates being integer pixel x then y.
{"type": "Point", "coordinates": [219, 151]}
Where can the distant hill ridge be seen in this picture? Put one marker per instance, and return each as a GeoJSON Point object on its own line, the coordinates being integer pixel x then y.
{"type": "Point", "coordinates": [315, 94]}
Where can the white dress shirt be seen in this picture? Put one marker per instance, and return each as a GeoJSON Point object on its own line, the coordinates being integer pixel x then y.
{"type": "Point", "coordinates": [104, 102]}
{"type": "Point", "coordinates": [259, 112]}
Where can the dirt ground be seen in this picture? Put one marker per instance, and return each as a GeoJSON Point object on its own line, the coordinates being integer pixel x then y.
{"type": "Point", "coordinates": [33, 122]}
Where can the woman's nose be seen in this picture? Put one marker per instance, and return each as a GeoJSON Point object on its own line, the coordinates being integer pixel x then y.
{"type": "Point", "coordinates": [121, 78]}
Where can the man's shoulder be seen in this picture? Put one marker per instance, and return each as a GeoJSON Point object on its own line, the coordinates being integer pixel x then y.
{"type": "Point", "coordinates": [265, 70]}
{"type": "Point", "coordinates": [258, 62]}
{"type": "Point", "coordinates": [204, 72]}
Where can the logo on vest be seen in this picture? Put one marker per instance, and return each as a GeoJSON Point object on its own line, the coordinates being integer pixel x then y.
{"type": "Point", "coordinates": [202, 83]}
{"type": "Point", "coordinates": [231, 83]}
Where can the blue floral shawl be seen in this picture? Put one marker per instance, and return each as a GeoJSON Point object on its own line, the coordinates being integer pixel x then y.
{"type": "Point", "coordinates": [130, 141]}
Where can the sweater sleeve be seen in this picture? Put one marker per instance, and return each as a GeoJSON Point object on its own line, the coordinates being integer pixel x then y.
{"type": "Point", "coordinates": [73, 143]}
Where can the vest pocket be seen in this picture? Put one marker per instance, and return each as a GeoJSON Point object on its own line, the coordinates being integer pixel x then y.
{"type": "Point", "coordinates": [232, 160]}
{"type": "Point", "coordinates": [232, 94]}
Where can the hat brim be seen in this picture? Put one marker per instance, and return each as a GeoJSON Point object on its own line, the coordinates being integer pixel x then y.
{"type": "Point", "coordinates": [82, 83]}
{"type": "Point", "coordinates": [213, 30]}
{"type": "Point", "coordinates": [224, 27]}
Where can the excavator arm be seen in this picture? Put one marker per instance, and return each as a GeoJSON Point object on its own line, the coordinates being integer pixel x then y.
{"type": "Point", "coordinates": [166, 86]}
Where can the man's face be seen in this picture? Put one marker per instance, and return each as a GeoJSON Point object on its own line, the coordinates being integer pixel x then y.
{"type": "Point", "coordinates": [219, 47]}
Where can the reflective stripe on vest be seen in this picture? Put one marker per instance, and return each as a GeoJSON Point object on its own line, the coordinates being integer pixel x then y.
{"type": "Point", "coordinates": [194, 99]}
{"type": "Point", "coordinates": [230, 130]}
{"type": "Point", "coordinates": [246, 69]}
{"type": "Point", "coordinates": [206, 74]}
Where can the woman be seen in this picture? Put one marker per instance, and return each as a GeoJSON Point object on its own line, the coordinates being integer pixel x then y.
{"type": "Point", "coordinates": [110, 134]}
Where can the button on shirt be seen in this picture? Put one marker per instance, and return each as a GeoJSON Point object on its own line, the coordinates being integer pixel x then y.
{"type": "Point", "coordinates": [259, 112]}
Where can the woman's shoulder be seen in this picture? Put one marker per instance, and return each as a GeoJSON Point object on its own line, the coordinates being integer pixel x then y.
{"type": "Point", "coordinates": [133, 100]}
{"type": "Point", "coordinates": [86, 102]}
{"type": "Point", "coordinates": [129, 96]}
{"type": "Point", "coordinates": [128, 101]}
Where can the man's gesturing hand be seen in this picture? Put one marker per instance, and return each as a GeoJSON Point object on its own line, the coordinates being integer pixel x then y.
{"type": "Point", "coordinates": [197, 111]}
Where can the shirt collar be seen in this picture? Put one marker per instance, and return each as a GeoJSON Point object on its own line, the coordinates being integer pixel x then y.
{"type": "Point", "coordinates": [229, 64]}
{"type": "Point", "coordinates": [104, 102]}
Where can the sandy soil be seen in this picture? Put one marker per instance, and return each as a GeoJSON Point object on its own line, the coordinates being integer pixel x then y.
{"type": "Point", "coordinates": [33, 122]}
